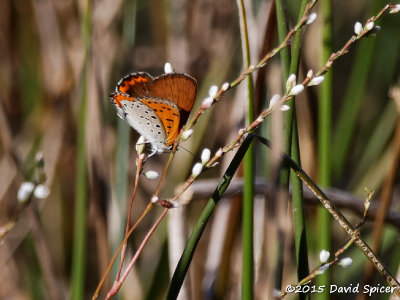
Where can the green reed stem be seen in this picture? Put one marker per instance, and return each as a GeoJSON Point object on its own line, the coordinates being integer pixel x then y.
{"type": "Point", "coordinates": [248, 166]}
{"type": "Point", "coordinates": [324, 137]}
{"type": "Point", "coordinates": [79, 246]}
{"type": "Point", "coordinates": [290, 63]}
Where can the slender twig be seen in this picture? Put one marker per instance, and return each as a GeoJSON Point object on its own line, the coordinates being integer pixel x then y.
{"type": "Point", "coordinates": [139, 166]}
{"type": "Point", "coordinates": [320, 270]}
{"type": "Point", "coordinates": [118, 283]}
{"type": "Point", "coordinates": [343, 222]}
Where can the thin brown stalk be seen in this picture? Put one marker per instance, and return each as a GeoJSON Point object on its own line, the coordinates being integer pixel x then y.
{"type": "Point", "coordinates": [139, 166]}
{"type": "Point", "coordinates": [117, 284]}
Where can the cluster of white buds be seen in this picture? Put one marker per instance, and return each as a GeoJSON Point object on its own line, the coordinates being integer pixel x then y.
{"type": "Point", "coordinates": [27, 189]}
{"type": "Point", "coordinates": [292, 88]}
{"type": "Point", "coordinates": [209, 100]}
{"type": "Point", "coordinates": [359, 29]}
{"type": "Point", "coordinates": [205, 158]}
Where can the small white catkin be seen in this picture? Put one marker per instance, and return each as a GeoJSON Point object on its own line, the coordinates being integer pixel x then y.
{"type": "Point", "coordinates": [25, 191]}
{"type": "Point", "coordinates": [322, 269]}
{"type": "Point", "coordinates": [296, 90]}
{"type": "Point", "coordinates": [225, 86]}
{"type": "Point", "coordinates": [151, 174]}
{"type": "Point", "coordinates": [284, 107]}
{"type": "Point", "coordinates": [41, 192]}
{"type": "Point", "coordinates": [369, 26]}
{"type": "Point", "coordinates": [345, 262]}
{"type": "Point", "coordinates": [395, 9]}
{"type": "Point", "coordinates": [274, 99]}
{"type": "Point", "coordinates": [186, 134]}
{"type": "Point", "coordinates": [311, 18]}
{"type": "Point", "coordinates": [197, 168]}
{"type": "Point", "coordinates": [324, 256]}
{"type": "Point", "coordinates": [213, 91]}
{"type": "Point", "coordinates": [358, 28]}
{"type": "Point", "coordinates": [290, 82]}
{"type": "Point", "coordinates": [168, 68]}
{"type": "Point", "coordinates": [205, 156]}
{"type": "Point", "coordinates": [316, 80]}
{"type": "Point", "coordinates": [207, 102]}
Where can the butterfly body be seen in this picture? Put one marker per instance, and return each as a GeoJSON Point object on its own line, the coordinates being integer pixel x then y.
{"type": "Point", "coordinates": [156, 108]}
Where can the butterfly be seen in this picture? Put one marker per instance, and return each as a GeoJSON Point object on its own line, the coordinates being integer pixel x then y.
{"type": "Point", "coordinates": [157, 108]}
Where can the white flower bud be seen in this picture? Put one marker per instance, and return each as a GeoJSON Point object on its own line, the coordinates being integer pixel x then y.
{"type": "Point", "coordinates": [316, 80]}
{"type": "Point", "coordinates": [168, 68]}
{"type": "Point", "coordinates": [140, 144]}
{"type": "Point", "coordinates": [225, 86]}
{"type": "Point", "coordinates": [290, 82]}
{"type": "Point", "coordinates": [358, 28]}
{"type": "Point", "coordinates": [219, 153]}
{"type": "Point", "coordinates": [345, 262]}
{"type": "Point", "coordinates": [205, 156]}
{"type": "Point", "coordinates": [186, 134]}
{"type": "Point", "coordinates": [296, 90]}
{"type": "Point", "coordinates": [395, 9]}
{"type": "Point", "coordinates": [310, 73]}
{"type": "Point", "coordinates": [284, 107]}
{"type": "Point", "coordinates": [207, 102]}
{"type": "Point", "coordinates": [25, 191]}
{"type": "Point", "coordinates": [324, 256]}
{"type": "Point", "coordinates": [311, 18]}
{"type": "Point", "coordinates": [154, 199]}
{"type": "Point", "coordinates": [322, 269]}
{"type": "Point", "coordinates": [41, 192]}
{"type": "Point", "coordinates": [369, 26]}
{"type": "Point", "coordinates": [213, 91]}
{"type": "Point", "coordinates": [274, 100]}
{"type": "Point", "coordinates": [151, 175]}
{"type": "Point", "coordinates": [197, 168]}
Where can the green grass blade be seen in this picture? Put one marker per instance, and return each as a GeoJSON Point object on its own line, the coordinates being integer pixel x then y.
{"type": "Point", "coordinates": [324, 137]}
{"type": "Point", "coordinates": [248, 189]}
{"type": "Point", "coordinates": [79, 246]}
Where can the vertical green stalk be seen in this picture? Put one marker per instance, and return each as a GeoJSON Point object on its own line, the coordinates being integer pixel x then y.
{"type": "Point", "coordinates": [248, 190]}
{"type": "Point", "coordinates": [297, 186]}
{"type": "Point", "coordinates": [79, 247]}
{"type": "Point", "coordinates": [324, 137]}
{"type": "Point", "coordinates": [292, 143]}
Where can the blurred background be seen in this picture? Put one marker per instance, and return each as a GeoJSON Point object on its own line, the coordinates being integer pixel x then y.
{"type": "Point", "coordinates": [60, 60]}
